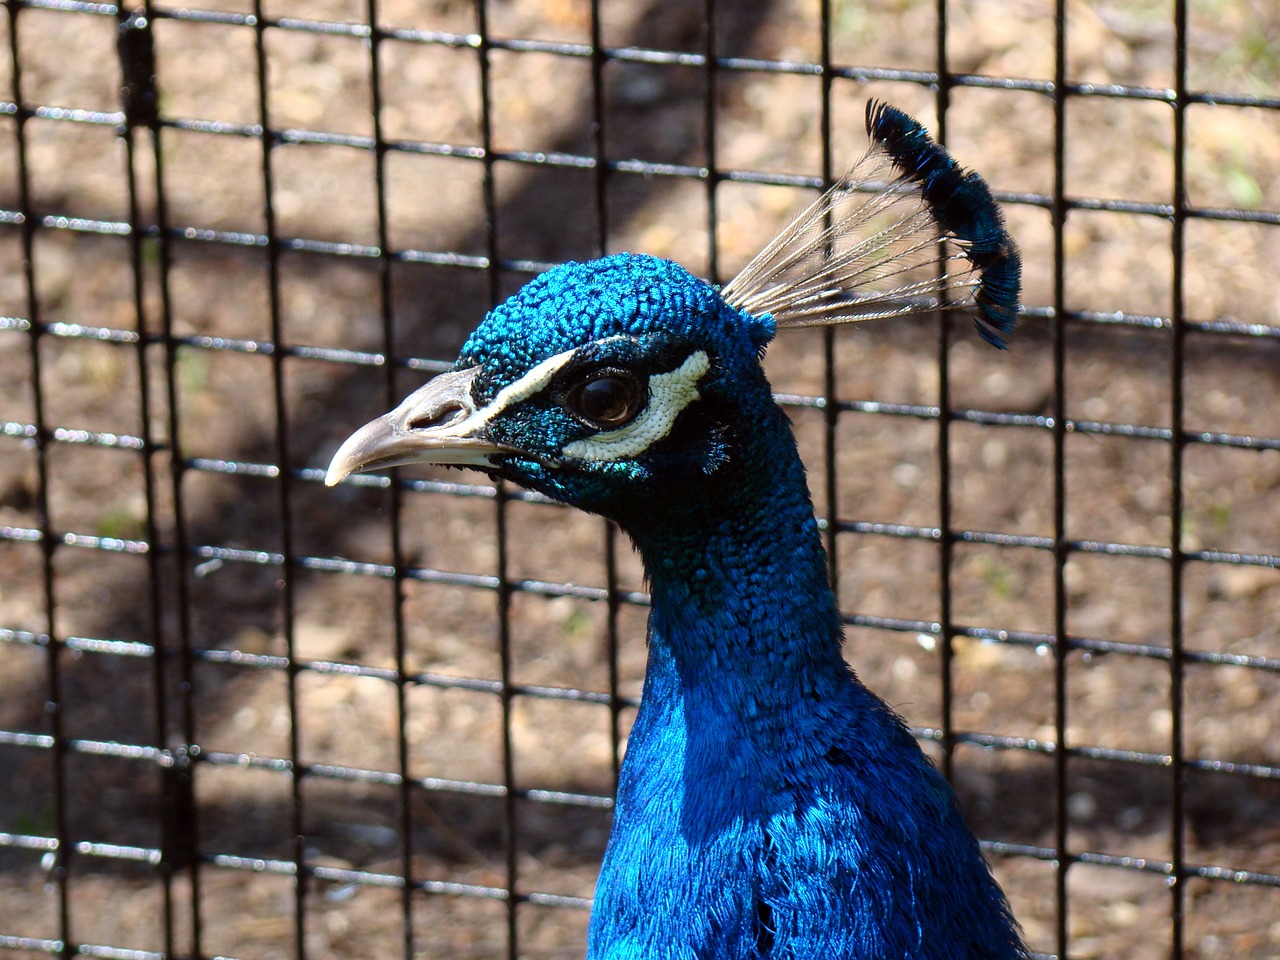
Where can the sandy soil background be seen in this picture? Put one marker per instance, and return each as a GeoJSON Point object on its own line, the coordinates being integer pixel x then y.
{"type": "Point", "coordinates": [338, 713]}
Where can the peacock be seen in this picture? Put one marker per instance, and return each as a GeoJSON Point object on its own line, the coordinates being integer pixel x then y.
{"type": "Point", "coordinates": [769, 804]}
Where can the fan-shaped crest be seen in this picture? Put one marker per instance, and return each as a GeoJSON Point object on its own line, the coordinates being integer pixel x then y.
{"type": "Point", "coordinates": [906, 230]}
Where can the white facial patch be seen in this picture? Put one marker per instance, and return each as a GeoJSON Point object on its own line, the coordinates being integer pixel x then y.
{"type": "Point", "coordinates": [524, 388]}
{"type": "Point", "coordinates": [669, 394]}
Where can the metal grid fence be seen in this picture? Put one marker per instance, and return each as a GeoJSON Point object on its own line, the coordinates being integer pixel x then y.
{"type": "Point", "coordinates": [245, 716]}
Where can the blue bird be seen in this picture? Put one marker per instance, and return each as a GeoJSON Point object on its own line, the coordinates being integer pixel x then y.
{"type": "Point", "coordinates": [770, 805]}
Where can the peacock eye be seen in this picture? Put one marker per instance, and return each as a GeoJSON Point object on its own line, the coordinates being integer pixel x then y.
{"type": "Point", "coordinates": [609, 399]}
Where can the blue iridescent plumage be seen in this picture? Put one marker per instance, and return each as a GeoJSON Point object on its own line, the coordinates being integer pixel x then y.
{"type": "Point", "coordinates": [769, 806]}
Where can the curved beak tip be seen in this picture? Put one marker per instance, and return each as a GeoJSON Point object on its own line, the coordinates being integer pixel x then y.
{"type": "Point", "coordinates": [358, 451]}
{"type": "Point", "coordinates": [395, 438]}
{"type": "Point", "coordinates": [336, 473]}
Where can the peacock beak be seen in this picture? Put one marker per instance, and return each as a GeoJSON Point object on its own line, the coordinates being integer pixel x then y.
{"type": "Point", "coordinates": [437, 423]}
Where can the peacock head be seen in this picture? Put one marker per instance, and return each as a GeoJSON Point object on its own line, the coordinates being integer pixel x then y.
{"type": "Point", "coordinates": [606, 385]}
{"type": "Point", "coordinates": [619, 384]}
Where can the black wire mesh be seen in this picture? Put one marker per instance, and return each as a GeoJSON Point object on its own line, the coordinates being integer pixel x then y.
{"type": "Point", "coordinates": [245, 716]}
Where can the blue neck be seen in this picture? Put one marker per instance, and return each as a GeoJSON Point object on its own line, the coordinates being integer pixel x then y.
{"type": "Point", "coordinates": [744, 620]}
{"type": "Point", "coordinates": [770, 806]}
{"type": "Point", "coordinates": [744, 633]}
{"type": "Point", "coordinates": [744, 672]}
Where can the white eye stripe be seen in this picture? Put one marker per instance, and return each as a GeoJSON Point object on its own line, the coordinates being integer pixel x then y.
{"type": "Point", "coordinates": [524, 388]}
{"type": "Point", "coordinates": [527, 386]}
{"type": "Point", "coordinates": [669, 394]}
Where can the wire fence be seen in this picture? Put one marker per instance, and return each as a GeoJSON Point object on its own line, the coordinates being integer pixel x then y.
{"type": "Point", "coordinates": [248, 716]}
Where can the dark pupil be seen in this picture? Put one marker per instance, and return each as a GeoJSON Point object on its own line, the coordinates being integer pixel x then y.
{"type": "Point", "coordinates": [608, 400]}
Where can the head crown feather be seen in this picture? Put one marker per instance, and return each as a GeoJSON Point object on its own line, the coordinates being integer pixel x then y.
{"type": "Point", "coordinates": [906, 230]}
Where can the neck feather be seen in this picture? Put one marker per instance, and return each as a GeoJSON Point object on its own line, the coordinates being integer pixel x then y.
{"type": "Point", "coordinates": [745, 638]}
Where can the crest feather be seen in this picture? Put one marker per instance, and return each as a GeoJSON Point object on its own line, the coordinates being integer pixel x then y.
{"type": "Point", "coordinates": [872, 245]}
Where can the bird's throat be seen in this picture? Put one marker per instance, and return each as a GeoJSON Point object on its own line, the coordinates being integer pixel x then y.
{"type": "Point", "coordinates": [745, 662]}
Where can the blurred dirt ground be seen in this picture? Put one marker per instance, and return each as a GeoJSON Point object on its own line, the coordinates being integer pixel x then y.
{"type": "Point", "coordinates": [343, 624]}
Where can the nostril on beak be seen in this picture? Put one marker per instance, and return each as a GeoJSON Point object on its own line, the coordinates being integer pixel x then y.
{"type": "Point", "coordinates": [440, 416]}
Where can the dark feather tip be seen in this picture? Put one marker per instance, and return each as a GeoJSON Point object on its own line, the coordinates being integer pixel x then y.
{"type": "Point", "coordinates": [961, 203]}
